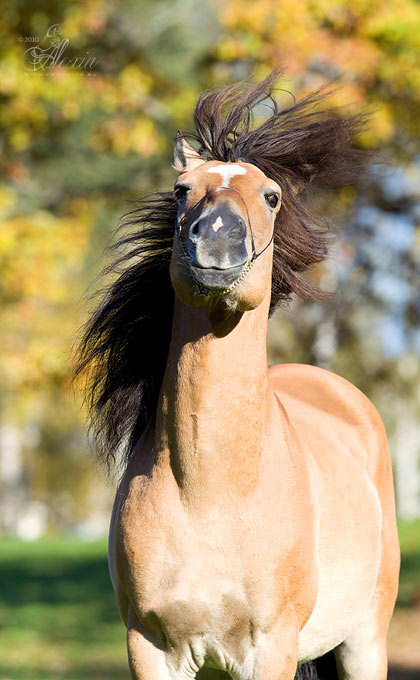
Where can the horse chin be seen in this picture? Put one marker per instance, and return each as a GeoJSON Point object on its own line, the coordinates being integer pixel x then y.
{"type": "Point", "coordinates": [216, 281]}
{"type": "Point", "coordinates": [232, 290]}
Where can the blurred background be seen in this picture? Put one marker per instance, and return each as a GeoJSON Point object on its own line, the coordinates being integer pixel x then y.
{"type": "Point", "coordinates": [91, 97]}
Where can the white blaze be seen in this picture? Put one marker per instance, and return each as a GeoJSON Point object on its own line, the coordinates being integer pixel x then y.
{"type": "Point", "coordinates": [217, 224]}
{"type": "Point", "coordinates": [227, 172]}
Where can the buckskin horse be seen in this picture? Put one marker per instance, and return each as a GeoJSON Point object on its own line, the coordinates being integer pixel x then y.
{"type": "Point", "coordinates": [253, 534]}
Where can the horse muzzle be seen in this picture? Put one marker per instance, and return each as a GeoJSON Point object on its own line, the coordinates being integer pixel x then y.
{"type": "Point", "coordinates": [216, 247]}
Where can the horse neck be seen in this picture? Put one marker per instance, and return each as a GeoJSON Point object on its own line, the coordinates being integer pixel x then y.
{"type": "Point", "coordinates": [212, 407]}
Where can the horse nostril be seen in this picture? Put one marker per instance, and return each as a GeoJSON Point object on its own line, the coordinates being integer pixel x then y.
{"type": "Point", "coordinates": [238, 232]}
{"type": "Point", "coordinates": [195, 229]}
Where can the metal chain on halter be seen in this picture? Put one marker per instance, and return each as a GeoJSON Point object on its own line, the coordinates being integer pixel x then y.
{"type": "Point", "coordinates": [179, 224]}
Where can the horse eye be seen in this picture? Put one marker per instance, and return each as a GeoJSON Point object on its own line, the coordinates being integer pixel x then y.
{"type": "Point", "coordinates": [272, 200]}
{"type": "Point", "coordinates": [180, 192]}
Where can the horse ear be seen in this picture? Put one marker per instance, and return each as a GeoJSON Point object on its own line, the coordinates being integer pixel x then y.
{"type": "Point", "coordinates": [185, 157]}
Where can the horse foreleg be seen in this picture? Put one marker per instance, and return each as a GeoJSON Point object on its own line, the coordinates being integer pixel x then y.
{"type": "Point", "coordinates": [363, 655]}
{"type": "Point", "coordinates": [146, 659]}
{"type": "Point", "coordinates": [276, 658]}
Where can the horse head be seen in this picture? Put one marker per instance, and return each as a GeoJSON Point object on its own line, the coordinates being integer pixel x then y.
{"type": "Point", "coordinates": [225, 222]}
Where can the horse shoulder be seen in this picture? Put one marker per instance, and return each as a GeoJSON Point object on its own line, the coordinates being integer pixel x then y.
{"type": "Point", "coordinates": [344, 440]}
{"type": "Point", "coordinates": [326, 408]}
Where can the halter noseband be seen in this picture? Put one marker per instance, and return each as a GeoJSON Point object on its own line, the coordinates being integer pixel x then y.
{"type": "Point", "coordinates": [179, 224]}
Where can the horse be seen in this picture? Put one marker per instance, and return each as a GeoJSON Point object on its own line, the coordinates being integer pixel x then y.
{"type": "Point", "coordinates": [253, 534]}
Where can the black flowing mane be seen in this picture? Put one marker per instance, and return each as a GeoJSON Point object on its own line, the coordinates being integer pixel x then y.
{"type": "Point", "coordinates": [125, 342]}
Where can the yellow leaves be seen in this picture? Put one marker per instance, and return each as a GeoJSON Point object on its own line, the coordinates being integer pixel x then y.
{"type": "Point", "coordinates": [82, 19]}
{"type": "Point", "coordinates": [350, 56]}
{"type": "Point", "coordinates": [124, 135]}
{"type": "Point", "coordinates": [7, 200]}
{"type": "Point", "coordinates": [396, 29]}
{"type": "Point", "coordinates": [381, 128]}
{"type": "Point", "coordinates": [40, 254]}
{"type": "Point", "coordinates": [143, 137]}
{"type": "Point", "coordinates": [11, 66]}
{"type": "Point", "coordinates": [367, 42]}
{"type": "Point", "coordinates": [70, 109]}
{"type": "Point", "coordinates": [7, 242]}
{"type": "Point", "coordinates": [263, 17]}
{"type": "Point", "coordinates": [231, 49]}
{"type": "Point", "coordinates": [181, 107]}
{"type": "Point", "coordinates": [291, 17]}
{"type": "Point", "coordinates": [36, 343]}
{"type": "Point", "coordinates": [19, 138]}
{"type": "Point", "coordinates": [133, 85]}
{"type": "Point", "coordinates": [343, 16]}
{"type": "Point", "coordinates": [239, 14]}
{"type": "Point", "coordinates": [396, 23]}
{"type": "Point", "coordinates": [41, 263]}
{"type": "Point", "coordinates": [402, 75]}
{"type": "Point", "coordinates": [50, 114]}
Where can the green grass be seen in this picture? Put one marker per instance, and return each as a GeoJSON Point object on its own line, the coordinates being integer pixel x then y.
{"type": "Point", "coordinates": [58, 617]}
{"type": "Point", "coordinates": [409, 591]}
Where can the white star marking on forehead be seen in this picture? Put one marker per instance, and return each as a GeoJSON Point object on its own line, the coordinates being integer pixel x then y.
{"type": "Point", "coordinates": [227, 172]}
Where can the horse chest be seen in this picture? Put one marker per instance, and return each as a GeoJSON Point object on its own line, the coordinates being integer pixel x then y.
{"type": "Point", "coordinates": [194, 600]}
{"type": "Point", "coordinates": [195, 572]}
{"type": "Point", "coordinates": [208, 584]}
